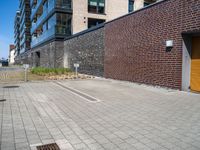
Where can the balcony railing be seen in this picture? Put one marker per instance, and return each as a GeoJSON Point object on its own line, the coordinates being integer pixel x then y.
{"type": "Point", "coordinates": [39, 21]}
{"type": "Point", "coordinates": [34, 10]}
{"type": "Point", "coordinates": [53, 5]}
{"type": "Point", "coordinates": [63, 30]}
{"type": "Point", "coordinates": [54, 31]}
{"type": "Point", "coordinates": [47, 34]}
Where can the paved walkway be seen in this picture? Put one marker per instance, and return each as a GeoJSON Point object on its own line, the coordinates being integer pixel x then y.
{"type": "Point", "coordinates": [125, 116]}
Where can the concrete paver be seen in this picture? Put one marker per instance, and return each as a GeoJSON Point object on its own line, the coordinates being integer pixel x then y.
{"type": "Point", "coordinates": [127, 116]}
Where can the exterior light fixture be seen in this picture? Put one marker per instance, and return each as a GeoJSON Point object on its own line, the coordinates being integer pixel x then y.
{"type": "Point", "coordinates": [169, 45]}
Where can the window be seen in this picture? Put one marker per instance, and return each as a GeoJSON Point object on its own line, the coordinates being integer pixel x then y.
{"type": "Point", "coordinates": [64, 4]}
{"type": "Point", "coordinates": [94, 22]}
{"type": "Point", "coordinates": [131, 6]}
{"type": "Point", "coordinates": [63, 25]}
{"type": "Point", "coordinates": [96, 6]}
{"type": "Point", "coordinates": [148, 2]}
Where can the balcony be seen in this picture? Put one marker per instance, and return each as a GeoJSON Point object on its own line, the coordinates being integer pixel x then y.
{"type": "Point", "coordinates": [39, 22]}
{"type": "Point", "coordinates": [53, 4]}
{"type": "Point", "coordinates": [46, 35]}
{"type": "Point", "coordinates": [60, 31]}
{"type": "Point", "coordinates": [34, 10]}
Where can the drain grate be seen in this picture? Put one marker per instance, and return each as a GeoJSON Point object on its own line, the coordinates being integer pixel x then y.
{"type": "Point", "coordinates": [52, 146]}
{"type": "Point", "coordinates": [2, 100]}
{"type": "Point", "coordinates": [10, 87]}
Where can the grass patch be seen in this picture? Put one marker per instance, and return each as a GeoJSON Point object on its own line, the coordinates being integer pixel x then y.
{"type": "Point", "coordinates": [50, 71]}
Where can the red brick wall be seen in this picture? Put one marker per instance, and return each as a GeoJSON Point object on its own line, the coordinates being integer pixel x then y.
{"type": "Point", "coordinates": [135, 44]}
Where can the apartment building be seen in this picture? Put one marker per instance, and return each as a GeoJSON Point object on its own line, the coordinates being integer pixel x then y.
{"type": "Point", "coordinates": [17, 33]}
{"type": "Point", "coordinates": [25, 26]}
{"type": "Point", "coordinates": [51, 21]}
{"type": "Point", "coordinates": [93, 12]}
{"type": "Point", "coordinates": [57, 19]}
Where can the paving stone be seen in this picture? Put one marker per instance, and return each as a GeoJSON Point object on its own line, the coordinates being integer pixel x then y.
{"type": "Point", "coordinates": [128, 116]}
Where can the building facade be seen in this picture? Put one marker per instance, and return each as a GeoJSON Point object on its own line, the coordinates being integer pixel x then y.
{"type": "Point", "coordinates": [55, 20]}
{"type": "Point", "coordinates": [17, 33]}
{"type": "Point", "coordinates": [11, 58]}
{"type": "Point", "coordinates": [158, 45]}
{"type": "Point", "coordinates": [25, 26]}
{"type": "Point", "coordinates": [51, 19]}
{"type": "Point", "coordinates": [93, 12]}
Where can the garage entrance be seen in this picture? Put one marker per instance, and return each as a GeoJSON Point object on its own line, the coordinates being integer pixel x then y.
{"type": "Point", "coordinates": [195, 65]}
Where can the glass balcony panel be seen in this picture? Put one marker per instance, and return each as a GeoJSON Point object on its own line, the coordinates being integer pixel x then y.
{"type": "Point", "coordinates": [46, 11]}
{"type": "Point", "coordinates": [51, 5]}
{"type": "Point", "coordinates": [63, 30]}
{"type": "Point", "coordinates": [39, 21]}
{"type": "Point", "coordinates": [34, 10]}
{"type": "Point", "coordinates": [43, 37]}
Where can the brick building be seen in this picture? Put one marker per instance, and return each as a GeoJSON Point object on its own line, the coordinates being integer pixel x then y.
{"type": "Point", "coordinates": [53, 20]}
{"type": "Point", "coordinates": [135, 46]}
{"type": "Point", "coordinates": [156, 45]}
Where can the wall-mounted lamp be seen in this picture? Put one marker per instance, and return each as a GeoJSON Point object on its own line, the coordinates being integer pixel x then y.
{"type": "Point", "coordinates": [169, 45]}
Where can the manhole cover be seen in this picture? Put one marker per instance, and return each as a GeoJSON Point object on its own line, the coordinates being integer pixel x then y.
{"type": "Point", "coordinates": [10, 87]}
{"type": "Point", "coordinates": [52, 146]}
{"type": "Point", "coordinates": [2, 100]}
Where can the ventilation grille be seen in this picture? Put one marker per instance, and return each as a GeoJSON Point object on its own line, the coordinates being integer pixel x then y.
{"type": "Point", "coordinates": [52, 146]}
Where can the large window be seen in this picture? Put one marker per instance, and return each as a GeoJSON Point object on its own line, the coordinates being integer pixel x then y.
{"type": "Point", "coordinates": [93, 22]}
{"type": "Point", "coordinates": [63, 25]}
{"type": "Point", "coordinates": [96, 6]}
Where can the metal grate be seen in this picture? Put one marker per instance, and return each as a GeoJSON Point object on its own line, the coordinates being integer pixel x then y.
{"type": "Point", "coordinates": [2, 100]}
{"type": "Point", "coordinates": [10, 87]}
{"type": "Point", "coordinates": [52, 146]}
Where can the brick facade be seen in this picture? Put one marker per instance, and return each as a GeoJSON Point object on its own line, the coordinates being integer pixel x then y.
{"type": "Point", "coordinates": [135, 44]}
{"type": "Point", "coordinates": [88, 50]}
{"type": "Point", "coordinates": [132, 47]}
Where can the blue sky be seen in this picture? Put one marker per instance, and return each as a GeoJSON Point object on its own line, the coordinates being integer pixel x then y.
{"type": "Point", "coordinates": [7, 16]}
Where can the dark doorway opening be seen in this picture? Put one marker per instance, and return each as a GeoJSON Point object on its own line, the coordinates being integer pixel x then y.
{"type": "Point", "coordinates": [37, 59]}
